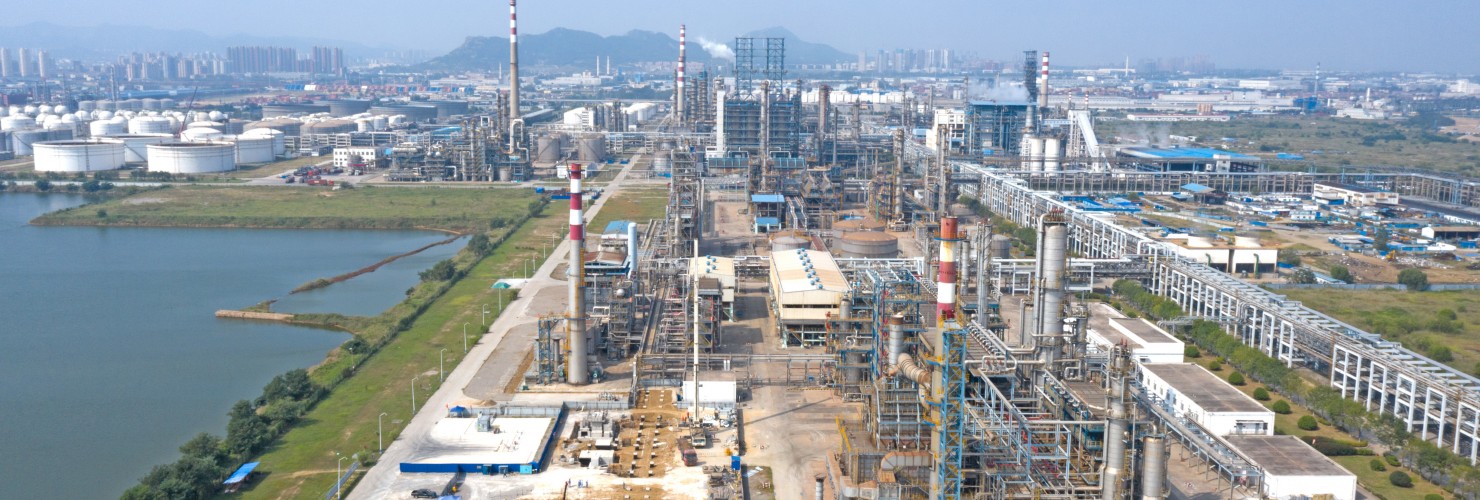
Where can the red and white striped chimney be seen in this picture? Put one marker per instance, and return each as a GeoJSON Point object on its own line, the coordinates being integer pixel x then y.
{"type": "Point", "coordinates": [945, 301]}
{"type": "Point", "coordinates": [513, 74]}
{"type": "Point", "coordinates": [577, 372]}
{"type": "Point", "coordinates": [678, 105]}
{"type": "Point", "coordinates": [1043, 83]}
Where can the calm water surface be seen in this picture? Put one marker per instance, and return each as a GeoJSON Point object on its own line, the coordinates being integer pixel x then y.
{"type": "Point", "coordinates": [110, 356]}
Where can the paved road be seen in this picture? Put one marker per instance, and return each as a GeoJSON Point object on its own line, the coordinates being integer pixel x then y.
{"type": "Point", "coordinates": [488, 365]}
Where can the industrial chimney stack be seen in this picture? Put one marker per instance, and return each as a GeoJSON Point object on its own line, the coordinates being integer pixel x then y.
{"type": "Point", "coordinates": [678, 94]}
{"type": "Point", "coordinates": [513, 67]}
{"type": "Point", "coordinates": [945, 302]}
{"type": "Point", "coordinates": [575, 322]}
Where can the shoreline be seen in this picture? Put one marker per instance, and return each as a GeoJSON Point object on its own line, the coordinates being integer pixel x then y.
{"type": "Point", "coordinates": [326, 282]}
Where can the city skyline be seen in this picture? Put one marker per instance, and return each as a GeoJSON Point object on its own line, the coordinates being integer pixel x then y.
{"type": "Point", "coordinates": [1362, 35]}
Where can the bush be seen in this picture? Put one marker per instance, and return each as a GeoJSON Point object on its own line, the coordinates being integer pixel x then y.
{"type": "Point", "coordinates": [1307, 423]}
{"type": "Point", "coordinates": [43, 185]}
{"type": "Point", "coordinates": [1400, 479]}
{"type": "Point", "coordinates": [1332, 448]}
{"type": "Point", "coordinates": [1236, 378]}
{"type": "Point", "coordinates": [1433, 496]}
{"type": "Point", "coordinates": [1414, 279]}
{"type": "Point", "coordinates": [1441, 353]}
{"type": "Point", "coordinates": [1377, 465]}
{"type": "Point", "coordinates": [1191, 352]}
{"type": "Point", "coordinates": [1261, 394]}
{"type": "Point", "coordinates": [1391, 459]}
{"type": "Point", "coordinates": [1281, 407]}
{"type": "Point", "coordinates": [1215, 366]}
{"type": "Point", "coordinates": [1343, 274]}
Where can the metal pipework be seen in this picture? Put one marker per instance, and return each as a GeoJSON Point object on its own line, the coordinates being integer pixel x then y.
{"type": "Point", "coordinates": [896, 338]}
{"type": "Point", "coordinates": [913, 371]}
{"type": "Point", "coordinates": [1153, 467]}
{"type": "Point", "coordinates": [678, 104]}
{"type": "Point", "coordinates": [1053, 243]}
{"type": "Point", "coordinates": [945, 301]}
{"type": "Point", "coordinates": [575, 322]}
{"type": "Point", "coordinates": [818, 496]}
{"type": "Point", "coordinates": [513, 71]}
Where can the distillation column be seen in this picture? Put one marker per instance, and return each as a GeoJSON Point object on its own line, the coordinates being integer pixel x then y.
{"type": "Point", "coordinates": [1115, 434]}
{"type": "Point", "coordinates": [1053, 243]}
{"type": "Point", "coordinates": [577, 372]}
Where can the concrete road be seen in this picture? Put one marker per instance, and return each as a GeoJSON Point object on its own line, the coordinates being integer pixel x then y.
{"type": "Point", "coordinates": [488, 366]}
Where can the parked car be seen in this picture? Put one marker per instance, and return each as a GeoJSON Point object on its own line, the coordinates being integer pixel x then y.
{"type": "Point", "coordinates": [423, 493]}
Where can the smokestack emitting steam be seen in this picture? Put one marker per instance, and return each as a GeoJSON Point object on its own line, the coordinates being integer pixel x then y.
{"type": "Point", "coordinates": [945, 302]}
{"type": "Point", "coordinates": [576, 321]}
{"type": "Point", "coordinates": [513, 68]}
{"type": "Point", "coordinates": [678, 96]}
{"type": "Point", "coordinates": [1043, 83]}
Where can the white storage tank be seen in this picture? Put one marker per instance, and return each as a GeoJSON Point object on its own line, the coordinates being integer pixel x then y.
{"type": "Point", "coordinates": [21, 140]}
{"type": "Point", "coordinates": [99, 128]}
{"type": "Point", "coordinates": [591, 148]}
{"type": "Point", "coordinates": [149, 125]}
{"type": "Point", "coordinates": [200, 134]}
{"type": "Point", "coordinates": [17, 122]}
{"type": "Point", "coordinates": [78, 156]}
{"type": "Point", "coordinates": [279, 143]}
{"type": "Point", "coordinates": [192, 157]}
{"type": "Point", "coordinates": [136, 146]}
{"type": "Point", "coordinates": [1051, 154]}
{"type": "Point", "coordinates": [250, 149]}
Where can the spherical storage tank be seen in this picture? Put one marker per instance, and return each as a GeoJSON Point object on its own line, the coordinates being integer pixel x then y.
{"type": "Point", "coordinates": [136, 146]}
{"type": "Point", "coordinates": [78, 156]}
{"type": "Point", "coordinates": [192, 157]}
{"type": "Point", "coordinates": [868, 245]}
{"type": "Point", "coordinates": [253, 149]}
{"type": "Point", "coordinates": [149, 125]}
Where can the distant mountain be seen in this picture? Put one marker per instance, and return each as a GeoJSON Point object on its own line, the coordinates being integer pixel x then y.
{"type": "Point", "coordinates": [800, 51]}
{"type": "Point", "coordinates": [106, 41]}
{"type": "Point", "coordinates": [572, 48]}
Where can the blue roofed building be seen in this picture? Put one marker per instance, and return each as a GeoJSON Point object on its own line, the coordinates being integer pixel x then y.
{"type": "Point", "coordinates": [1180, 159]}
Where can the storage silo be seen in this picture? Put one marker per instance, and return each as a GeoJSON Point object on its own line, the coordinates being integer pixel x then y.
{"type": "Point", "coordinates": [167, 103]}
{"type": "Point", "coordinates": [279, 144]}
{"type": "Point", "coordinates": [1001, 247]}
{"type": "Point", "coordinates": [136, 146]}
{"type": "Point", "coordinates": [250, 149]}
{"type": "Point", "coordinates": [149, 104]}
{"type": "Point", "coordinates": [87, 105]}
{"type": "Point", "coordinates": [192, 157]}
{"type": "Point", "coordinates": [347, 107]}
{"type": "Point", "coordinates": [1051, 154]}
{"type": "Point", "coordinates": [548, 147]}
{"type": "Point", "coordinates": [200, 134]}
{"type": "Point", "coordinates": [149, 125]}
{"type": "Point", "coordinates": [107, 105]}
{"type": "Point", "coordinates": [78, 156]}
{"type": "Point", "coordinates": [868, 245]}
{"type": "Point", "coordinates": [591, 148]}
{"type": "Point", "coordinates": [790, 240]}
{"type": "Point", "coordinates": [21, 140]}
{"type": "Point", "coordinates": [17, 122]}
{"type": "Point", "coordinates": [100, 128]}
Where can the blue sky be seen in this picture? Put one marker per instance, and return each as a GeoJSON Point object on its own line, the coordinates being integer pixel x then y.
{"type": "Point", "coordinates": [1419, 35]}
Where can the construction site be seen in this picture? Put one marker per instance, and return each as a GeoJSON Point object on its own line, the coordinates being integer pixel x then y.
{"type": "Point", "coordinates": [837, 306]}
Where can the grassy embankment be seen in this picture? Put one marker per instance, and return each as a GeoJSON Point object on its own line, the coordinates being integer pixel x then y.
{"type": "Point", "coordinates": [633, 204]}
{"type": "Point", "coordinates": [1341, 141]}
{"type": "Point", "coordinates": [301, 463]}
{"type": "Point", "coordinates": [461, 210]}
{"type": "Point", "coordinates": [1374, 481]}
{"type": "Point", "coordinates": [1415, 319]}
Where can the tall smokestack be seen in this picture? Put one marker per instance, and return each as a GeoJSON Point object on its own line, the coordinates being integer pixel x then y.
{"type": "Point", "coordinates": [945, 302]}
{"type": "Point", "coordinates": [577, 373]}
{"type": "Point", "coordinates": [1043, 83]}
{"type": "Point", "coordinates": [513, 66]}
{"type": "Point", "coordinates": [678, 94]}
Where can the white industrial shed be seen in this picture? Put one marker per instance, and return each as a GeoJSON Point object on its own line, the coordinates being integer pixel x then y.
{"type": "Point", "coordinates": [1147, 342]}
{"type": "Point", "coordinates": [1206, 399]}
{"type": "Point", "coordinates": [1293, 470]}
{"type": "Point", "coordinates": [807, 289]}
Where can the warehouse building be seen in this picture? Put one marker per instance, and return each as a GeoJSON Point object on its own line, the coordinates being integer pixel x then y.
{"type": "Point", "coordinates": [1206, 399]}
{"type": "Point", "coordinates": [1293, 469]}
{"type": "Point", "coordinates": [1147, 342]}
{"type": "Point", "coordinates": [806, 288]}
{"type": "Point", "coordinates": [1354, 195]}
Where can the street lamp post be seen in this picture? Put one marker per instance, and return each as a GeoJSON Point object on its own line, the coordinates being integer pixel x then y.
{"type": "Point", "coordinates": [485, 315]}
{"type": "Point", "coordinates": [465, 338]}
{"type": "Point", "coordinates": [413, 396]}
{"type": "Point", "coordinates": [380, 431]}
{"type": "Point", "coordinates": [439, 365]}
{"type": "Point", "coordinates": [338, 475]}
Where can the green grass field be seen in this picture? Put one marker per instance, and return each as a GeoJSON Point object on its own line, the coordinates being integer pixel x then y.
{"type": "Point", "coordinates": [635, 204]}
{"type": "Point", "coordinates": [1340, 141]}
{"type": "Point", "coordinates": [301, 464]}
{"type": "Point", "coordinates": [302, 207]}
{"type": "Point", "coordinates": [1407, 317]}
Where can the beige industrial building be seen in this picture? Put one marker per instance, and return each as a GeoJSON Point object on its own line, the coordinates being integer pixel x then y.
{"type": "Point", "coordinates": [806, 289]}
{"type": "Point", "coordinates": [1359, 196]}
{"type": "Point", "coordinates": [1246, 254]}
{"type": "Point", "coordinates": [1206, 399]}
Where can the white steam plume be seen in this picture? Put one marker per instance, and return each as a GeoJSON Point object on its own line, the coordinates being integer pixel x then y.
{"type": "Point", "coordinates": [716, 50]}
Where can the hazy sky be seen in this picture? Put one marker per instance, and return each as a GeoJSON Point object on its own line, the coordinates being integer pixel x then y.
{"type": "Point", "coordinates": [1411, 35]}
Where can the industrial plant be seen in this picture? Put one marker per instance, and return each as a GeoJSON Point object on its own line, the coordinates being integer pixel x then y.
{"type": "Point", "coordinates": [862, 290]}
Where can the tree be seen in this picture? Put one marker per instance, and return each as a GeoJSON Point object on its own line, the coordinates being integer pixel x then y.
{"type": "Point", "coordinates": [43, 185]}
{"type": "Point", "coordinates": [480, 245]}
{"type": "Point", "coordinates": [1400, 479]}
{"type": "Point", "coordinates": [1377, 465]}
{"type": "Point", "coordinates": [1236, 378]}
{"type": "Point", "coordinates": [1307, 423]}
{"type": "Point", "coordinates": [1302, 276]}
{"type": "Point", "coordinates": [1343, 274]}
{"type": "Point", "coordinates": [1281, 407]}
{"type": "Point", "coordinates": [1261, 394]}
{"type": "Point", "coordinates": [204, 445]}
{"type": "Point", "coordinates": [1380, 239]}
{"type": "Point", "coordinates": [442, 271]}
{"type": "Point", "coordinates": [1289, 257]}
{"type": "Point", "coordinates": [294, 385]}
{"type": "Point", "coordinates": [1415, 279]}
